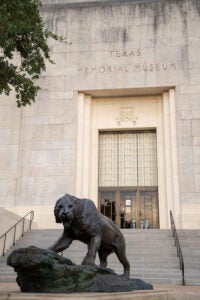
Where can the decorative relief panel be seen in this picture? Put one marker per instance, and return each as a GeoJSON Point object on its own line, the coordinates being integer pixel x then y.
{"type": "Point", "coordinates": [126, 115]}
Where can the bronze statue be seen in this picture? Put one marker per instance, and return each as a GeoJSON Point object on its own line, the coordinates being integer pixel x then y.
{"type": "Point", "coordinates": [82, 221]}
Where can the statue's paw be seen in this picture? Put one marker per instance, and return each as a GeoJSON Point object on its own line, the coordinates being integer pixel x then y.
{"type": "Point", "coordinates": [126, 275]}
{"type": "Point", "coordinates": [88, 261]}
{"type": "Point", "coordinates": [49, 249]}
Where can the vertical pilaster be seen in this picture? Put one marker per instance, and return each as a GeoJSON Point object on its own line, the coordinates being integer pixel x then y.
{"type": "Point", "coordinates": [167, 154]}
{"type": "Point", "coordinates": [174, 157]}
{"type": "Point", "coordinates": [163, 212]}
{"type": "Point", "coordinates": [94, 154]}
{"type": "Point", "coordinates": [80, 141]}
{"type": "Point", "coordinates": [170, 155]}
{"type": "Point", "coordinates": [86, 180]}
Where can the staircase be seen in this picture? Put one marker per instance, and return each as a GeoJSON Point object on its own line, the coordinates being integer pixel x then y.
{"type": "Point", "coordinates": [190, 245]}
{"type": "Point", "coordinates": [151, 254]}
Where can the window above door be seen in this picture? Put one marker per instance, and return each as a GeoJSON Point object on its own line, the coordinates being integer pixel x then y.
{"type": "Point", "coordinates": [128, 158]}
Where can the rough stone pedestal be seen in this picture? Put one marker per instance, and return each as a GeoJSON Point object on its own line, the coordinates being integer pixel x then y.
{"type": "Point", "coordinates": [42, 271]}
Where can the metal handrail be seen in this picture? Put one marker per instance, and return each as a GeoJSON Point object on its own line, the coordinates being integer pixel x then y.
{"type": "Point", "coordinates": [13, 230]}
{"type": "Point", "coordinates": [178, 246]}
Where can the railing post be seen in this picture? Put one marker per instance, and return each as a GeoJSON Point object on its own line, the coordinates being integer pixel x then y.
{"type": "Point", "coordinates": [4, 245]}
{"type": "Point", "coordinates": [30, 222]}
{"type": "Point", "coordinates": [23, 226]}
{"type": "Point", "coordinates": [31, 219]}
{"type": "Point", "coordinates": [15, 228]}
{"type": "Point", "coordinates": [183, 277]}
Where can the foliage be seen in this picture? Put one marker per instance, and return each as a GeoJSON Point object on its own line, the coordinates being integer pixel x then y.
{"type": "Point", "coordinates": [22, 35]}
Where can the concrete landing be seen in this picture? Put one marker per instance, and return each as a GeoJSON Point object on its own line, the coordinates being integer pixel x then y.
{"type": "Point", "coordinates": [11, 291]}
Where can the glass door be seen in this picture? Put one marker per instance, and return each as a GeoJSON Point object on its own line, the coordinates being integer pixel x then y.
{"type": "Point", "coordinates": [131, 209]}
{"type": "Point", "coordinates": [108, 205]}
{"type": "Point", "coordinates": [148, 209]}
{"type": "Point", "coordinates": [128, 209]}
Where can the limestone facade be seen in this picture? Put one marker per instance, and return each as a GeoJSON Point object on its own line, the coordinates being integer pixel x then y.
{"type": "Point", "coordinates": [140, 55]}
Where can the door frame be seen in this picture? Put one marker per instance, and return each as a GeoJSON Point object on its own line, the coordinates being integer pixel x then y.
{"type": "Point", "coordinates": [100, 111]}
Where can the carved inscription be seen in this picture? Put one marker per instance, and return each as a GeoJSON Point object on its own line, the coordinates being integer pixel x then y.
{"type": "Point", "coordinates": [134, 64]}
{"type": "Point", "coordinates": [125, 53]}
{"type": "Point", "coordinates": [138, 67]}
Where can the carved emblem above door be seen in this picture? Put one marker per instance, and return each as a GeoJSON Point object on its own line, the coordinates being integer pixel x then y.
{"type": "Point", "coordinates": [126, 115]}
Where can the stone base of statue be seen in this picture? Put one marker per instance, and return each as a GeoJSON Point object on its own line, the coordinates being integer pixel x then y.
{"type": "Point", "coordinates": [42, 271]}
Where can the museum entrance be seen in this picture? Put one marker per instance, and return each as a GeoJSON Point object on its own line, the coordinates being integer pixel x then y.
{"type": "Point", "coordinates": [131, 208]}
{"type": "Point", "coordinates": [128, 190]}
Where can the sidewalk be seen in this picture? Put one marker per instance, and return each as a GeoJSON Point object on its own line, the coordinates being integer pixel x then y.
{"type": "Point", "coordinates": [171, 292]}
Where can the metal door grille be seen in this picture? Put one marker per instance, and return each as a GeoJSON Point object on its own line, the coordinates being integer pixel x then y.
{"type": "Point", "coordinates": [127, 159]}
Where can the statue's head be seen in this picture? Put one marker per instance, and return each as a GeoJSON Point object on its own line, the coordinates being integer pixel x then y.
{"type": "Point", "coordinates": [64, 209]}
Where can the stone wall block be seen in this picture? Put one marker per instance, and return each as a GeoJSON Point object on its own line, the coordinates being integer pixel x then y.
{"type": "Point", "coordinates": [8, 157]}
{"type": "Point", "coordinates": [46, 132]}
{"type": "Point", "coordinates": [197, 181]}
{"type": "Point", "coordinates": [7, 191]}
{"type": "Point", "coordinates": [190, 89]}
{"type": "Point", "coordinates": [44, 185]}
{"type": "Point", "coordinates": [196, 154]}
{"type": "Point", "coordinates": [186, 154]}
{"type": "Point", "coordinates": [50, 84]}
{"type": "Point", "coordinates": [196, 141]}
{"type": "Point", "coordinates": [189, 114]}
{"type": "Point", "coordinates": [184, 128]}
{"type": "Point", "coordinates": [46, 158]}
{"type": "Point", "coordinates": [194, 72]}
{"type": "Point", "coordinates": [187, 183]}
{"type": "Point", "coordinates": [196, 126]}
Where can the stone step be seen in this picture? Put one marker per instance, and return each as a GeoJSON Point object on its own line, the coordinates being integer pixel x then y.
{"type": "Point", "coordinates": [147, 231]}
{"type": "Point", "coordinates": [192, 267]}
{"type": "Point", "coordinates": [8, 278]}
{"type": "Point", "coordinates": [134, 270]}
{"type": "Point", "coordinates": [151, 265]}
{"type": "Point", "coordinates": [163, 281]}
{"type": "Point", "coordinates": [6, 269]}
{"type": "Point", "coordinates": [149, 236]}
{"type": "Point", "coordinates": [7, 274]}
{"type": "Point", "coordinates": [188, 233]}
{"type": "Point", "coordinates": [154, 272]}
{"type": "Point", "coordinates": [149, 240]}
{"type": "Point", "coordinates": [151, 278]}
{"type": "Point", "coordinates": [190, 245]}
{"type": "Point", "coordinates": [134, 248]}
{"type": "Point", "coordinates": [189, 253]}
{"type": "Point", "coordinates": [161, 251]}
{"type": "Point", "coordinates": [194, 264]}
{"type": "Point", "coordinates": [126, 232]}
{"type": "Point", "coordinates": [136, 258]}
{"type": "Point", "coordinates": [129, 244]}
{"type": "Point", "coordinates": [192, 273]}
{"type": "Point", "coordinates": [193, 281]}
